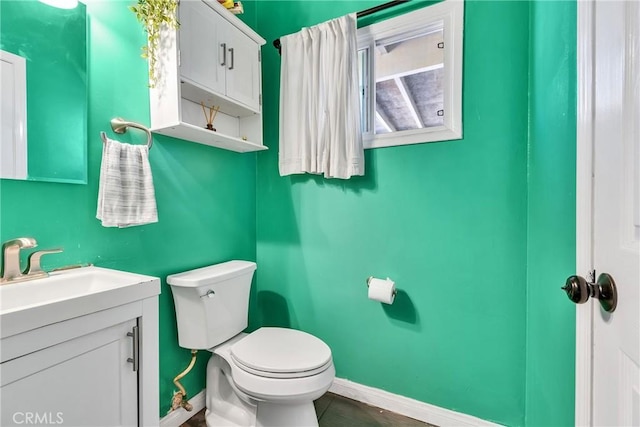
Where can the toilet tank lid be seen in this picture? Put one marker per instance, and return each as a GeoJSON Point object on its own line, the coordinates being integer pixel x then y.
{"type": "Point", "coordinates": [211, 274]}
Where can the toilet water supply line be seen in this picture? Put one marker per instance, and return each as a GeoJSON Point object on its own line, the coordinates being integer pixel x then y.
{"type": "Point", "coordinates": [180, 397]}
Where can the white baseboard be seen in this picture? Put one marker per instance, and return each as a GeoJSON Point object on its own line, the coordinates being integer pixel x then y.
{"type": "Point", "coordinates": [405, 406]}
{"type": "Point", "coordinates": [180, 415]}
{"type": "Point", "coordinates": [372, 396]}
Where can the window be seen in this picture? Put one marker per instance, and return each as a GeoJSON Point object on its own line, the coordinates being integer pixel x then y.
{"type": "Point", "coordinates": [411, 77]}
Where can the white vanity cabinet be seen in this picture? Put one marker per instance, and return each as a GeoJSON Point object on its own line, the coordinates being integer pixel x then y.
{"type": "Point", "coordinates": [212, 59]}
{"type": "Point", "coordinates": [99, 368]}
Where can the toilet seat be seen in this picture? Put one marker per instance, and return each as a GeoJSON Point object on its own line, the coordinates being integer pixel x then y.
{"type": "Point", "coordinates": [260, 387]}
{"type": "Point", "coordinates": [281, 353]}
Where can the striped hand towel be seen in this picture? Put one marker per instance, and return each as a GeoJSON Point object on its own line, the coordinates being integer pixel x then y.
{"type": "Point", "coordinates": [126, 196]}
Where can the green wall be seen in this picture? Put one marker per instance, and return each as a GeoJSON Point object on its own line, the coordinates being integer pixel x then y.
{"type": "Point", "coordinates": [458, 225]}
{"type": "Point", "coordinates": [446, 221]}
{"type": "Point", "coordinates": [477, 233]}
{"type": "Point", "coordinates": [551, 212]}
{"type": "Point", "coordinates": [205, 196]}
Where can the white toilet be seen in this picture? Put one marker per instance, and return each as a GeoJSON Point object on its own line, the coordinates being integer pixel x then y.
{"type": "Point", "coordinates": [269, 377]}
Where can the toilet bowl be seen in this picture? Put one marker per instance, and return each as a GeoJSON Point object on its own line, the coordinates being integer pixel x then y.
{"type": "Point", "coordinates": [273, 391]}
{"type": "Point", "coordinates": [269, 377]}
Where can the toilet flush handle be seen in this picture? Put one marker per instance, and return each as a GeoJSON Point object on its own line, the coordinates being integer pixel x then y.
{"type": "Point", "coordinates": [210, 293]}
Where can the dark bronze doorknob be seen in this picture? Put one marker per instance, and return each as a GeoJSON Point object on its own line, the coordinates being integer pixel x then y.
{"type": "Point", "coordinates": [579, 290]}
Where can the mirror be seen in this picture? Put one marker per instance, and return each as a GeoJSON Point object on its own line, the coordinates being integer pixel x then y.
{"type": "Point", "coordinates": [44, 118]}
{"type": "Point", "coordinates": [411, 77]}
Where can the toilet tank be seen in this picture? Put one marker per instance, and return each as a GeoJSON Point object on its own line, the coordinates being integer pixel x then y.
{"type": "Point", "coordinates": [212, 303]}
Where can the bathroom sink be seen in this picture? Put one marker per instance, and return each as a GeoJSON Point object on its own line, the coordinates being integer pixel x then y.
{"type": "Point", "coordinates": [67, 294]}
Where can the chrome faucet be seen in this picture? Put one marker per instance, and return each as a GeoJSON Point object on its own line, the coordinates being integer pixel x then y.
{"type": "Point", "coordinates": [11, 271]}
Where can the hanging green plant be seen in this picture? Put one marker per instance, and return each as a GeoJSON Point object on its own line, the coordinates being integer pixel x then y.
{"type": "Point", "coordinates": [153, 14]}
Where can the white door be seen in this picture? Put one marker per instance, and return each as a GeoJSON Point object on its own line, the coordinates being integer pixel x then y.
{"type": "Point", "coordinates": [613, 99]}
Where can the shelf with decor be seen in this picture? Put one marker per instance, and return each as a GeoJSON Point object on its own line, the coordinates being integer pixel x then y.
{"type": "Point", "coordinates": [208, 80]}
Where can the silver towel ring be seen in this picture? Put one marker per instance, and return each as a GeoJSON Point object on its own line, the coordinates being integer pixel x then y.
{"type": "Point", "coordinates": [119, 125]}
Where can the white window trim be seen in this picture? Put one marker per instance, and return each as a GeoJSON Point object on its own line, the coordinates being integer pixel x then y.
{"type": "Point", "coordinates": [451, 14]}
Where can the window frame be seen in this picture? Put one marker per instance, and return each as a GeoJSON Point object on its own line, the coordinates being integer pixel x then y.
{"type": "Point", "coordinates": [450, 13]}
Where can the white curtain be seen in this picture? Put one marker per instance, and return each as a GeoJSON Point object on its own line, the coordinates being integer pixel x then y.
{"type": "Point", "coordinates": [319, 104]}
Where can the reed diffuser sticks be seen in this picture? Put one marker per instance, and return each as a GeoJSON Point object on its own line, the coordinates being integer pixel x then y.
{"type": "Point", "coordinates": [213, 110]}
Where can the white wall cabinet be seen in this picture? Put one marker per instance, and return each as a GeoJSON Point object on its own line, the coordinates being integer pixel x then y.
{"type": "Point", "coordinates": [212, 59]}
{"type": "Point", "coordinates": [80, 372]}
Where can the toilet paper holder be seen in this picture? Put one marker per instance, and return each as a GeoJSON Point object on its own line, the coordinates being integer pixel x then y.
{"type": "Point", "coordinates": [395, 291]}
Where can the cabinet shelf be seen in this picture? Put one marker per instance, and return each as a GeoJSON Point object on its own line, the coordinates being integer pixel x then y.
{"type": "Point", "coordinates": [193, 133]}
{"type": "Point", "coordinates": [196, 93]}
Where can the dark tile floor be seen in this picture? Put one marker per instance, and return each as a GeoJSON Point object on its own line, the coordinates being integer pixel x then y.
{"type": "Point", "coordinates": [338, 411]}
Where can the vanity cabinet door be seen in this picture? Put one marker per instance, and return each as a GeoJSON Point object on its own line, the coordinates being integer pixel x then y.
{"type": "Point", "coordinates": [203, 46]}
{"type": "Point", "coordinates": [86, 381]}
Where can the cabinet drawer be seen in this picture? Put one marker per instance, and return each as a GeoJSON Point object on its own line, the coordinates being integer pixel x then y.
{"type": "Point", "coordinates": [40, 338]}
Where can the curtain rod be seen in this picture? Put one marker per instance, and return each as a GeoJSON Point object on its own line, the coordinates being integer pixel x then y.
{"type": "Point", "coordinates": [361, 14]}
